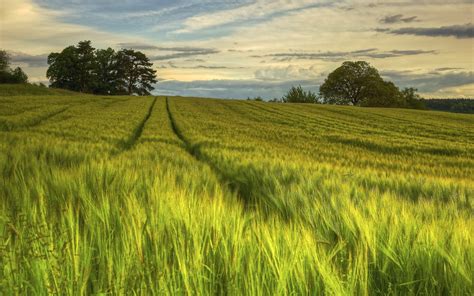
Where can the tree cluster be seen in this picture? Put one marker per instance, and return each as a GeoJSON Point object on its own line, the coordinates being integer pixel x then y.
{"type": "Point", "coordinates": [9, 75]}
{"type": "Point", "coordinates": [451, 105]}
{"type": "Point", "coordinates": [85, 69]}
{"type": "Point", "coordinates": [359, 84]}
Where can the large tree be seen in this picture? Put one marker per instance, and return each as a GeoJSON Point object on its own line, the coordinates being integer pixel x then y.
{"type": "Point", "coordinates": [85, 65]}
{"type": "Point", "coordinates": [81, 68]}
{"type": "Point", "coordinates": [351, 83]}
{"type": "Point", "coordinates": [136, 72]}
{"type": "Point", "coordinates": [62, 70]}
{"type": "Point", "coordinates": [72, 68]}
{"type": "Point", "coordinates": [106, 73]}
{"type": "Point", "coordinates": [359, 84]}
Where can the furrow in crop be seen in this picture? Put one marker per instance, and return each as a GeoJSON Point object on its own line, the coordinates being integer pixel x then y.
{"type": "Point", "coordinates": [242, 191]}
{"type": "Point", "coordinates": [128, 144]}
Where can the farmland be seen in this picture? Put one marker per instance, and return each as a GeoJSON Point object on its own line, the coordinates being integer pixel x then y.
{"type": "Point", "coordinates": [154, 195]}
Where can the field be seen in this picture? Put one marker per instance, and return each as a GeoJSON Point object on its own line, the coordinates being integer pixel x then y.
{"type": "Point", "coordinates": [183, 196]}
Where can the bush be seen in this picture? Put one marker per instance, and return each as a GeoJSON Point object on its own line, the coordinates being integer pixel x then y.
{"type": "Point", "coordinates": [298, 95]}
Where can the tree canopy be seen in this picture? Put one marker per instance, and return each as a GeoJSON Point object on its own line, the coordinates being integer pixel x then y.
{"type": "Point", "coordinates": [101, 71]}
{"type": "Point", "coordinates": [8, 75]}
{"type": "Point", "coordinates": [298, 95]}
{"type": "Point", "coordinates": [360, 84]}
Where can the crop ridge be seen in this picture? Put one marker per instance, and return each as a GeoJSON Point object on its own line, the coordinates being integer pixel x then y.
{"type": "Point", "coordinates": [128, 144]}
{"type": "Point", "coordinates": [240, 189]}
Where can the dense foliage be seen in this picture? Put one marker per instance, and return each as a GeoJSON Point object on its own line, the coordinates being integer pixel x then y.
{"type": "Point", "coordinates": [451, 105]}
{"type": "Point", "coordinates": [84, 69]}
{"type": "Point", "coordinates": [298, 95]}
{"type": "Point", "coordinates": [144, 196]}
{"type": "Point", "coordinates": [8, 75]}
{"type": "Point", "coordinates": [359, 84]}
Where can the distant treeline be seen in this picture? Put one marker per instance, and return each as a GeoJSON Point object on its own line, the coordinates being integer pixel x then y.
{"type": "Point", "coordinates": [451, 105]}
{"type": "Point", "coordinates": [357, 84]}
{"type": "Point", "coordinates": [85, 69]}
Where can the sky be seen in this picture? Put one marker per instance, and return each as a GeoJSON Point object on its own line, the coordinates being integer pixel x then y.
{"type": "Point", "coordinates": [249, 48]}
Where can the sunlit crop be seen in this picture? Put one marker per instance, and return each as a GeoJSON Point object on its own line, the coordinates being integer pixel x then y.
{"type": "Point", "coordinates": [144, 195]}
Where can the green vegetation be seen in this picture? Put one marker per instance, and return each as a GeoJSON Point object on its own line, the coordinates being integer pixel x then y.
{"type": "Point", "coordinates": [359, 84]}
{"type": "Point", "coordinates": [298, 95]}
{"type": "Point", "coordinates": [142, 195]}
{"type": "Point", "coordinates": [84, 69]}
{"type": "Point", "coordinates": [451, 105]}
{"type": "Point", "coordinates": [8, 75]}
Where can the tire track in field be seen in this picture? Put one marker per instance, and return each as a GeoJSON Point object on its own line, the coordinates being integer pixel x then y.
{"type": "Point", "coordinates": [137, 133]}
{"type": "Point", "coordinates": [41, 118]}
{"type": "Point", "coordinates": [241, 190]}
{"type": "Point", "coordinates": [35, 121]}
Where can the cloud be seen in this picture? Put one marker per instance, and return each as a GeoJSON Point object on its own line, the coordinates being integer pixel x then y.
{"type": "Point", "coordinates": [247, 11]}
{"type": "Point", "coordinates": [458, 31]}
{"type": "Point", "coordinates": [137, 46]}
{"type": "Point", "coordinates": [398, 18]}
{"type": "Point", "coordinates": [345, 55]}
{"type": "Point", "coordinates": [20, 58]}
{"type": "Point", "coordinates": [287, 73]}
{"type": "Point", "coordinates": [430, 82]}
{"type": "Point", "coordinates": [182, 52]}
{"type": "Point", "coordinates": [177, 52]}
{"type": "Point", "coordinates": [211, 67]}
{"type": "Point", "coordinates": [231, 89]}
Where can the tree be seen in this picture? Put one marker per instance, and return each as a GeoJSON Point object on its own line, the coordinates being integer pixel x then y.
{"type": "Point", "coordinates": [359, 84]}
{"type": "Point", "coordinates": [298, 95]}
{"type": "Point", "coordinates": [85, 65]}
{"type": "Point", "coordinates": [106, 73]}
{"type": "Point", "coordinates": [63, 69]}
{"type": "Point", "coordinates": [351, 83]}
{"type": "Point", "coordinates": [412, 99]}
{"type": "Point", "coordinates": [382, 94]}
{"type": "Point", "coordinates": [7, 75]}
{"type": "Point", "coordinates": [19, 76]}
{"type": "Point", "coordinates": [72, 68]}
{"type": "Point", "coordinates": [135, 72]}
{"type": "Point", "coordinates": [4, 61]}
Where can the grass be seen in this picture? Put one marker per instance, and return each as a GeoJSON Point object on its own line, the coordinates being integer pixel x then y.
{"type": "Point", "coordinates": [142, 195]}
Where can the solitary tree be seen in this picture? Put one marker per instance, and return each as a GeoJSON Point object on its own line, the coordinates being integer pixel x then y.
{"type": "Point", "coordinates": [351, 83]}
{"type": "Point", "coordinates": [358, 83]}
{"type": "Point", "coordinates": [136, 72]}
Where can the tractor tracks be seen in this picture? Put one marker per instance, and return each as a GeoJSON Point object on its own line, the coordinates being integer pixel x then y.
{"type": "Point", "coordinates": [241, 190]}
{"type": "Point", "coordinates": [137, 133]}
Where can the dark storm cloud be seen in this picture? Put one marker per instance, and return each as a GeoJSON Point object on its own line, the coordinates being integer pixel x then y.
{"type": "Point", "coordinates": [458, 31]}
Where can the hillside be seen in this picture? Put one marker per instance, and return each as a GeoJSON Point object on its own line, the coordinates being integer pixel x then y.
{"type": "Point", "coordinates": [32, 90]}
{"type": "Point", "coordinates": [201, 196]}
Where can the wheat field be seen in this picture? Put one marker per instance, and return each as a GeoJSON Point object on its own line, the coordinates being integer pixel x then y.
{"type": "Point", "coordinates": [188, 196]}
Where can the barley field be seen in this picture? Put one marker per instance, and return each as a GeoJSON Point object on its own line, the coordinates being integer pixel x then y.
{"type": "Point", "coordinates": [186, 196]}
